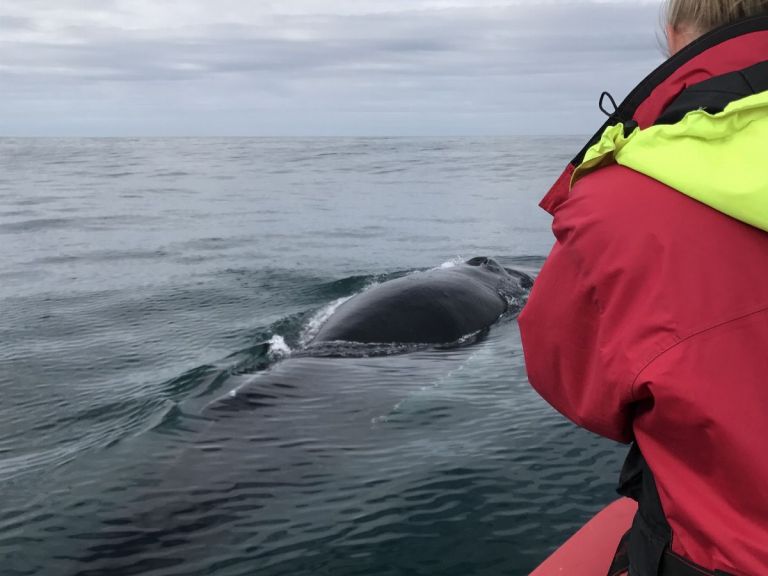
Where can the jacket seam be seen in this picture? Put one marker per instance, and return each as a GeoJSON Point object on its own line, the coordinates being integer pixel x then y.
{"type": "Point", "coordinates": [686, 339]}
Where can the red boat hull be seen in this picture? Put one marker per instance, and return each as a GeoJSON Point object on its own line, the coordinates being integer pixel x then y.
{"type": "Point", "coordinates": [590, 551]}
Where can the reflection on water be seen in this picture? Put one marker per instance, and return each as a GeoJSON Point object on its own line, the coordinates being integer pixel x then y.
{"type": "Point", "coordinates": [144, 280]}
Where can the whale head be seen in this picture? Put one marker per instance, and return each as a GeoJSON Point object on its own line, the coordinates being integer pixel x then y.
{"type": "Point", "coordinates": [512, 285]}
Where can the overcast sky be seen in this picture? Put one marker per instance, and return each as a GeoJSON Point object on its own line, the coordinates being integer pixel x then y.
{"type": "Point", "coordinates": [318, 67]}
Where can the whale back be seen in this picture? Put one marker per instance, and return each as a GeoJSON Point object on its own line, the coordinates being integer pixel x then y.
{"type": "Point", "coordinates": [433, 307]}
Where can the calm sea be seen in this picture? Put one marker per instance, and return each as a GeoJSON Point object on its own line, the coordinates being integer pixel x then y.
{"type": "Point", "coordinates": [142, 279]}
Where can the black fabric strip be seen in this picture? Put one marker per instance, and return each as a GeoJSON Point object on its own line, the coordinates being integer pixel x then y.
{"type": "Point", "coordinates": [650, 534]}
{"type": "Point", "coordinates": [715, 94]}
{"type": "Point", "coordinates": [673, 565]}
{"type": "Point", "coordinates": [627, 108]}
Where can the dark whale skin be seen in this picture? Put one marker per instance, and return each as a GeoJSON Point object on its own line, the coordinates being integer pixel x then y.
{"type": "Point", "coordinates": [432, 307]}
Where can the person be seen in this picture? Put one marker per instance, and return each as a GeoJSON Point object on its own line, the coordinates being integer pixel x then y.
{"type": "Point", "coordinates": [648, 323]}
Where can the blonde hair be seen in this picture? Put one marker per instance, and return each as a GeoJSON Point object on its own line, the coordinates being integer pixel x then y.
{"type": "Point", "coordinates": [705, 15]}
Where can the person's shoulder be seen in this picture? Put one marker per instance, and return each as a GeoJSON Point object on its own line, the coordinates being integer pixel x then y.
{"type": "Point", "coordinates": [621, 191]}
{"type": "Point", "coordinates": [615, 201]}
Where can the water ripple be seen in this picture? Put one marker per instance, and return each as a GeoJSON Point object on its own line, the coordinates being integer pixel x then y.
{"type": "Point", "coordinates": [144, 280]}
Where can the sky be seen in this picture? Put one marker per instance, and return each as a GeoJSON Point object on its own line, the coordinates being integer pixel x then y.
{"type": "Point", "coordinates": [318, 67]}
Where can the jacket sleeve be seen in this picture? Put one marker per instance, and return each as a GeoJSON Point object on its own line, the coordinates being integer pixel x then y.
{"type": "Point", "coordinates": [578, 327]}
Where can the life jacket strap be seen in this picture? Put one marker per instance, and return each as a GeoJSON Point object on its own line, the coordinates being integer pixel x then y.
{"type": "Point", "coordinates": [671, 564]}
{"type": "Point", "coordinates": [674, 565]}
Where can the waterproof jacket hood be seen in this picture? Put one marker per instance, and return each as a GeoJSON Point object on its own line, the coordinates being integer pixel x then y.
{"type": "Point", "coordinates": [711, 95]}
{"type": "Point", "coordinates": [690, 154]}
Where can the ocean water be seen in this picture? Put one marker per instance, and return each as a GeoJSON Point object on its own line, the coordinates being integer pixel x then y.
{"type": "Point", "coordinates": [143, 279]}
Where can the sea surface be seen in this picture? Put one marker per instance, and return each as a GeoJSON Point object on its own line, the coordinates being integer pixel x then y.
{"type": "Point", "coordinates": [144, 279]}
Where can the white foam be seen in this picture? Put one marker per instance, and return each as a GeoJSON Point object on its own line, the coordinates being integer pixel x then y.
{"type": "Point", "coordinates": [468, 338]}
{"type": "Point", "coordinates": [278, 348]}
{"type": "Point", "coordinates": [320, 318]}
{"type": "Point", "coordinates": [452, 263]}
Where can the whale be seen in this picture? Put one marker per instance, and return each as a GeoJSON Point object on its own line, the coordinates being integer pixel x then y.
{"type": "Point", "coordinates": [280, 460]}
{"type": "Point", "coordinates": [449, 306]}
{"type": "Point", "coordinates": [431, 307]}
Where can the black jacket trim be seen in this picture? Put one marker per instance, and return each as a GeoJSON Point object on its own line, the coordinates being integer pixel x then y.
{"type": "Point", "coordinates": [715, 94]}
{"type": "Point", "coordinates": [626, 110]}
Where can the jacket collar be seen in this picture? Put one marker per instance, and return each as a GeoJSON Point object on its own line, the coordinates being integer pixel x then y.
{"type": "Point", "coordinates": [722, 51]}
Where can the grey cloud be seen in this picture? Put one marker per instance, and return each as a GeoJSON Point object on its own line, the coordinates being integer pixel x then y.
{"type": "Point", "coordinates": [415, 63]}
{"type": "Point", "coordinates": [420, 43]}
{"type": "Point", "coordinates": [16, 23]}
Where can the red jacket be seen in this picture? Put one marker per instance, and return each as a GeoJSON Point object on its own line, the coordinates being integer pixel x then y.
{"type": "Point", "coordinates": [649, 323]}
